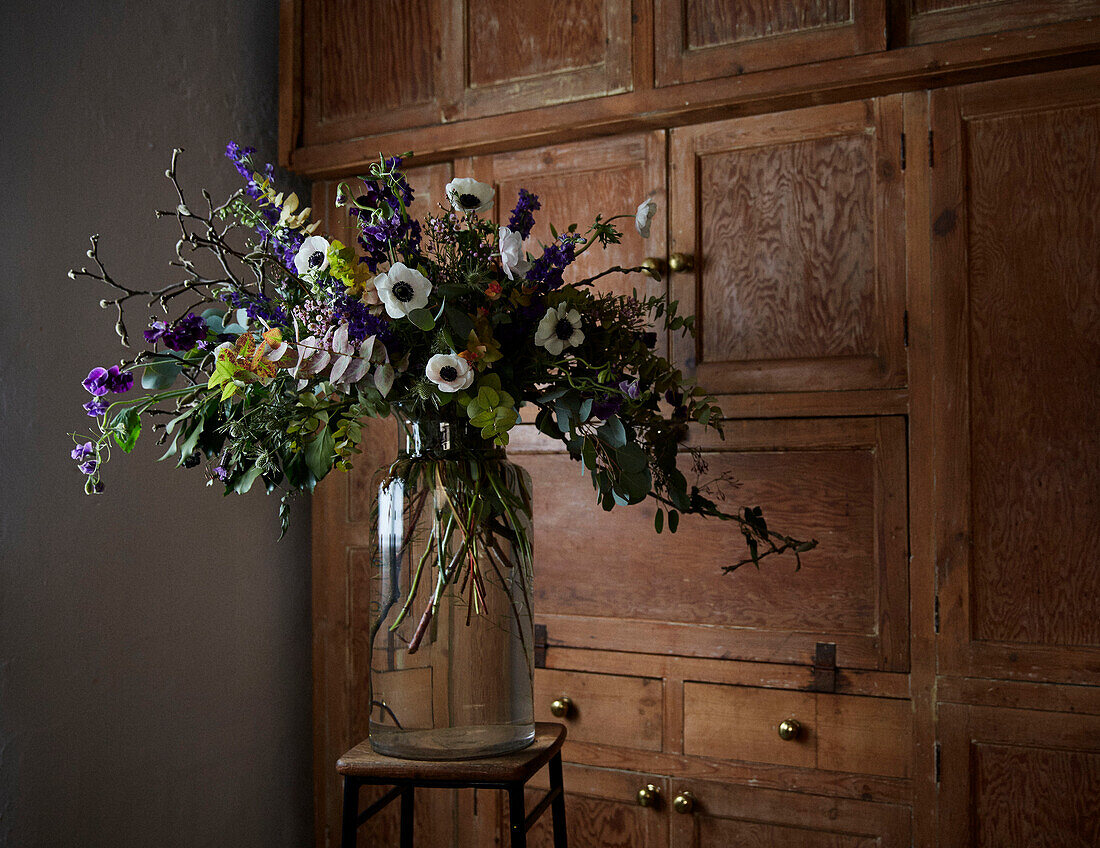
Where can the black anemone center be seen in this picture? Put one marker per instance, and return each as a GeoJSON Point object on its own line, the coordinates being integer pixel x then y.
{"type": "Point", "coordinates": [564, 329]}
{"type": "Point", "coordinates": [469, 201]}
{"type": "Point", "coordinates": [403, 291]}
{"type": "Point", "coordinates": [448, 373]}
{"type": "Point", "coordinates": [316, 259]}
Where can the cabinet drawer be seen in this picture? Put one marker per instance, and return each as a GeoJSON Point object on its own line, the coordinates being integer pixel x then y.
{"type": "Point", "coordinates": [608, 709]}
{"type": "Point", "coordinates": [834, 732]}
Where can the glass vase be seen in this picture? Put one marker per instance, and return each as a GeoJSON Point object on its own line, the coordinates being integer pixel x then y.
{"type": "Point", "coordinates": [452, 652]}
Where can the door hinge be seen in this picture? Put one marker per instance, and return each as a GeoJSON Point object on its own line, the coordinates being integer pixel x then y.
{"type": "Point", "coordinates": [540, 645]}
{"type": "Point", "coordinates": [903, 151]}
{"type": "Point", "coordinates": [936, 614]}
{"type": "Point", "coordinates": [905, 328]}
{"type": "Point", "coordinates": [824, 668]}
{"type": "Point", "coordinates": [938, 759]}
{"type": "Point", "coordinates": [931, 150]}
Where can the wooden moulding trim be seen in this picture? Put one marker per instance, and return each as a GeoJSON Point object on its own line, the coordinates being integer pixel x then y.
{"type": "Point", "coordinates": [761, 775]}
{"type": "Point", "coordinates": [1049, 697]}
{"type": "Point", "coordinates": [290, 79]}
{"type": "Point", "coordinates": [868, 75]}
{"type": "Point", "coordinates": [733, 672]}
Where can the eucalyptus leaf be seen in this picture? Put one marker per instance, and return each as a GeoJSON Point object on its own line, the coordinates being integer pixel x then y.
{"type": "Point", "coordinates": [319, 453]}
{"type": "Point", "coordinates": [160, 375]}
{"type": "Point", "coordinates": [612, 433]}
{"type": "Point", "coordinates": [423, 319]}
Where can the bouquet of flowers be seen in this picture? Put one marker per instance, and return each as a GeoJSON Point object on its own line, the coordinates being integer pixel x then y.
{"type": "Point", "coordinates": [264, 360]}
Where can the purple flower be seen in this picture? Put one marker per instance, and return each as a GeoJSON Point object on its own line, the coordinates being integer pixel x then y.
{"type": "Point", "coordinates": [95, 407]}
{"type": "Point", "coordinates": [97, 488]}
{"type": "Point", "coordinates": [101, 381]}
{"type": "Point", "coordinates": [221, 473]}
{"type": "Point", "coordinates": [85, 457]}
{"type": "Point", "coordinates": [607, 407]}
{"type": "Point", "coordinates": [522, 220]}
{"type": "Point", "coordinates": [546, 271]}
{"type": "Point", "coordinates": [182, 334]}
{"type": "Point", "coordinates": [630, 388]}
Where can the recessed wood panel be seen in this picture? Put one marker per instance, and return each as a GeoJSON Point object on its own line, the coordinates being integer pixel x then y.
{"type": "Point", "coordinates": [706, 39]}
{"type": "Point", "coordinates": [1015, 229]}
{"type": "Point", "coordinates": [840, 481]}
{"type": "Point", "coordinates": [531, 53]}
{"type": "Point", "coordinates": [608, 709]}
{"type": "Point", "coordinates": [576, 182]}
{"type": "Point", "coordinates": [372, 66]}
{"type": "Point", "coordinates": [1018, 777]}
{"type": "Point", "coordinates": [939, 20]}
{"type": "Point", "coordinates": [797, 228]}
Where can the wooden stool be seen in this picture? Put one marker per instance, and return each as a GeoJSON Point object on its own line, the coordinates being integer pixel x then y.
{"type": "Point", "coordinates": [361, 766]}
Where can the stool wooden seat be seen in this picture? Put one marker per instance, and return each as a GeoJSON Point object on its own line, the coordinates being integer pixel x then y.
{"type": "Point", "coordinates": [361, 766]}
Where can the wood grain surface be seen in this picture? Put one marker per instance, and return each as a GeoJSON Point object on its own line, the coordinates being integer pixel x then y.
{"type": "Point", "coordinates": [713, 22]}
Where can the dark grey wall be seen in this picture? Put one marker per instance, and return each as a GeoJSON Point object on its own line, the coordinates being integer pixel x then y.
{"type": "Point", "coordinates": [154, 640]}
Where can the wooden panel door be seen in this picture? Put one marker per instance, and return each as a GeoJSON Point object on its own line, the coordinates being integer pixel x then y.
{"type": "Point", "coordinates": [1018, 777]}
{"type": "Point", "coordinates": [1016, 338]}
{"type": "Point", "coordinates": [707, 39]}
{"type": "Point", "coordinates": [575, 182]}
{"type": "Point", "coordinates": [939, 20]}
{"type": "Point", "coordinates": [601, 810]}
{"type": "Point", "coordinates": [526, 54]}
{"type": "Point", "coordinates": [796, 222]}
{"type": "Point", "coordinates": [730, 815]}
{"type": "Point", "coordinates": [369, 67]}
{"type": "Point", "coordinates": [608, 581]}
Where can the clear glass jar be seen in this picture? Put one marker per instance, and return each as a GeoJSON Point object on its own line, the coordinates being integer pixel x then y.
{"type": "Point", "coordinates": [452, 652]}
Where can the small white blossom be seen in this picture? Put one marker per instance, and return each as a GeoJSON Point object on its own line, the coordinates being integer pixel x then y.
{"type": "Point", "coordinates": [559, 328]}
{"type": "Point", "coordinates": [402, 290]}
{"type": "Point", "coordinates": [511, 253]}
{"type": "Point", "coordinates": [312, 257]}
{"type": "Point", "coordinates": [644, 216]}
{"type": "Point", "coordinates": [451, 373]}
{"type": "Point", "coordinates": [469, 195]}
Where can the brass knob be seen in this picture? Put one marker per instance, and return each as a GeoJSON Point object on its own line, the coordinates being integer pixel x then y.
{"type": "Point", "coordinates": [561, 707]}
{"type": "Point", "coordinates": [655, 266]}
{"type": "Point", "coordinates": [684, 802]}
{"type": "Point", "coordinates": [648, 796]}
{"type": "Point", "coordinates": [678, 262]}
{"type": "Point", "coordinates": [789, 729]}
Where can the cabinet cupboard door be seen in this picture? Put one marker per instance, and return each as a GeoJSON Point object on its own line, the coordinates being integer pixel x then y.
{"type": "Point", "coordinates": [1016, 336]}
{"type": "Point", "coordinates": [1018, 777]}
{"type": "Point", "coordinates": [727, 815]}
{"type": "Point", "coordinates": [601, 810]}
{"type": "Point", "coordinates": [608, 581]}
{"type": "Point", "coordinates": [706, 39]}
{"type": "Point", "coordinates": [796, 221]}
{"type": "Point", "coordinates": [577, 181]}
{"type": "Point", "coordinates": [939, 20]}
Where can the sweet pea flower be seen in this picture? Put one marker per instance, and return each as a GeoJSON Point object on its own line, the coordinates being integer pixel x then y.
{"type": "Point", "coordinates": [643, 218]}
{"type": "Point", "coordinates": [511, 253]}
{"type": "Point", "coordinates": [101, 381]}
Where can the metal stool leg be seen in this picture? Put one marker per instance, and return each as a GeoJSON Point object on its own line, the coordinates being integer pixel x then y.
{"type": "Point", "coordinates": [407, 816]}
{"type": "Point", "coordinates": [351, 813]}
{"type": "Point", "coordinates": [517, 816]}
{"type": "Point", "coordinates": [557, 806]}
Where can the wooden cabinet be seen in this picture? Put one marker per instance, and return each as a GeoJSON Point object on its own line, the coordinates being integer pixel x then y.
{"type": "Point", "coordinates": [939, 20]}
{"type": "Point", "coordinates": [706, 39]}
{"type": "Point", "coordinates": [796, 221]}
{"type": "Point", "coordinates": [1015, 228]}
{"type": "Point", "coordinates": [1018, 777]}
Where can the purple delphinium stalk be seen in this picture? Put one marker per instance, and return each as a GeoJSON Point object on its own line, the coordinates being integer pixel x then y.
{"type": "Point", "coordinates": [381, 223]}
{"type": "Point", "coordinates": [258, 306]}
{"type": "Point", "coordinates": [522, 219]}
{"type": "Point", "coordinates": [546, 271]}
{"type": "Point", "coordinates": [101, 381]}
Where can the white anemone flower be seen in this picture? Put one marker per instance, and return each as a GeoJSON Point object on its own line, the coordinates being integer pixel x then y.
{"type": "Point", "coordinates": [312, 257]}
{"type": "Point", "coordinates": [402, 290]}
{"type": "Point", "coordinates": [511, 253]}
{"type": "Point", "coordinates": [469, 195]}
{"type": "Point", "coordinates": [451, 373]}
{"type": "Point", "coordinates": [644, 216]}
{"type": "Point", "coordinates": [559, 328]}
